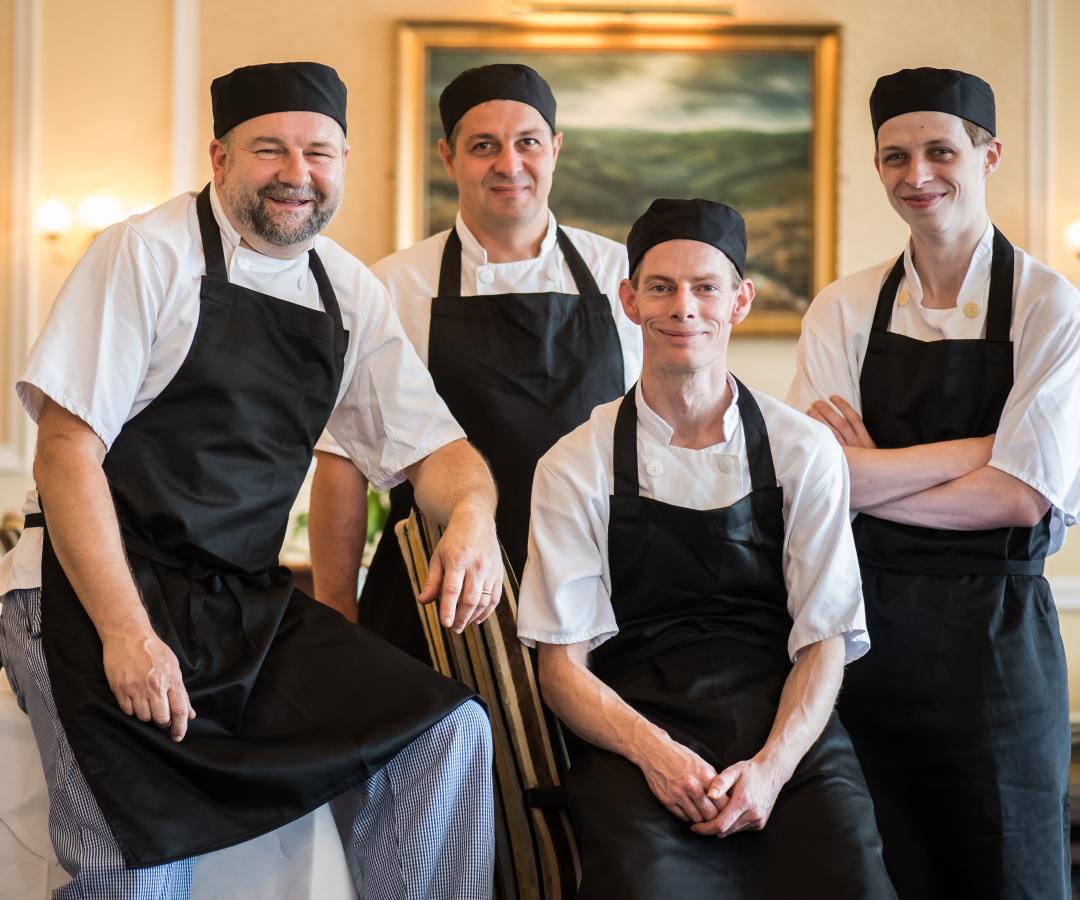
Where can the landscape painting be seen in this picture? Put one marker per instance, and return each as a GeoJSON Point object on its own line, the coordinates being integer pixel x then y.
{"type": "Point", "coordinates": [738, 121]}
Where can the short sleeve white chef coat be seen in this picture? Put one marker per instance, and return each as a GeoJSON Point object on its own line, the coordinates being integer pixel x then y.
{"type": "Point", "coordinates": [566, 587]}
{"type": "Point", "coordinates": [412, 278]}
{"type": "Point", "coordinates": [1038, 438]}
{"type": "Point", "coordinates": [124, 320]}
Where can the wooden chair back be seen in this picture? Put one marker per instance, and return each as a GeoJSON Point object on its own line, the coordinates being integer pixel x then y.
{"type": "Point", "coordinates": [536, 856]}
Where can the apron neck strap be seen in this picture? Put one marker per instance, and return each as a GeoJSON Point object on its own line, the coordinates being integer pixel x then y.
{"type": "Point", "coordinates": [758, 448]}
{"type": "Point", "coordinates": [624, 452]}
{"type": "Point", "coordinates": [326, 290]}
{"type": "Point", "coordinates": [625, 458]}
{"type": "Point", "coordinates": [211, 237]}
{"type": "Point", "coordinates": [450, 269]}
{"type": "Point", "coordinates": [583, 278]}
{"type": "Point", "coordinates": [999, 303]}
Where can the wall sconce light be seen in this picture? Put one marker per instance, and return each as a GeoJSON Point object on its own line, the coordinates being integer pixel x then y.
{"type": "Point", "coordinates": [1072, 238]}
{"type": "Point", "coordinates": [98, 211]}
{"type": "Point", "coordinates": [53, 219]}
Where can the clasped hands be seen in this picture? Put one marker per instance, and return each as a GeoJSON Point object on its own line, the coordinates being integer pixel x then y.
{"type": "Point", "coordinates": [719, 804]}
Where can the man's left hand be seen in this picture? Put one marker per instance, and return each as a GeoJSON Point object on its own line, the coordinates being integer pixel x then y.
{"type": "Point", "coordinates": [751, 788]}
{"type": "Point", "coordinates": [466, 571]}
{"type": "Point", "coordinates": [846, 424]}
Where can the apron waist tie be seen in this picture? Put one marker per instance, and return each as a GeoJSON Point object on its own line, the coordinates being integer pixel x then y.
{"type": "Point", "coordinates": [212, 581]}
{"type": "Point", "coordinates": [950, 565]}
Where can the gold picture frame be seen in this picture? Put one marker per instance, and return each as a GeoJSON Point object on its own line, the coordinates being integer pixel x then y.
{"type": "Point", "coordinates": [744, 113]}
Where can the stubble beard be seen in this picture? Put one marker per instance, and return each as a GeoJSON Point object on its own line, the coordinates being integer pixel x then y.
{"type": "Point", "coordinates": [253, 212]}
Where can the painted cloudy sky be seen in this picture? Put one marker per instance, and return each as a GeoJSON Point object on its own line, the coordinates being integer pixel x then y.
{"type": "Point", "coordinates": [660, 91]}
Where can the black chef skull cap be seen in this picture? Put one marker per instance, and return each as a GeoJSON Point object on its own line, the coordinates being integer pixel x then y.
{"type": "Point", "coordinates": [253, 91]}
{"type": "Point", "coordinates": [498, 81]}
{"type": "Point", "coordinates": [689, 220]}
{"type": "Point", "coordinates": [933, 90]}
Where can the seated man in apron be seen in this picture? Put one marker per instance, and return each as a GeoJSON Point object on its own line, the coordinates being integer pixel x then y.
{"type": "Point", "coordinates": [519, 323]}
{"type": "Point", "coordinates": [688, 543]}
{"type": "Point", "coordinates": [949, 376]}
{"type": "Point", "coordinates": [183, 696]}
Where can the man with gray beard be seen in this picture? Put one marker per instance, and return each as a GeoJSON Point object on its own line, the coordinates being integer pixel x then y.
{"type": "Point", "coordinates": [187, 367]}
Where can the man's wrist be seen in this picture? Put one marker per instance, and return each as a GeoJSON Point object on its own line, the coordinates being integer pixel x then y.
{"type": "Point", "coordinates": [645, 737]}
{"type": "Point", "coordinates": [471, 509]}
{"type": "Point", "coordinates": [135, 626]}
{"type": "Point", "coordinates": [779, 758]}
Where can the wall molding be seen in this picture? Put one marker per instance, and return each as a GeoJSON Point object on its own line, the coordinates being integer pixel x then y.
{"type": "Point", "coordinates": [1039, 128]}
{"type": "Point", "coordinates": [16, 436]}
{"type": "Point", "coordinates": [185, 96]}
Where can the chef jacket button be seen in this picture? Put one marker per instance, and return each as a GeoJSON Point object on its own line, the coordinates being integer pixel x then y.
{"type": "Point", "coordinates": [551, 275]}
{"type": "Point", "coordinates": [485, 274]}
{"type": "Point", "coordinates": [654, 468]}
{"type": "Point", "coordinates": [971, 310]}
{"type": "Point", "coordinates": [726, 465]}
{"type": "Point", "coordinates": [903, 298]}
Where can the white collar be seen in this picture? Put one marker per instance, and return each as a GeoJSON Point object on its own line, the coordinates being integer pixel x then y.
{"type": "Point", "coordinates": [976, 279]}
{"type": "Point", "coordinates": [659, 430]}
{"type": "Point", "coordinates": [472, 248]}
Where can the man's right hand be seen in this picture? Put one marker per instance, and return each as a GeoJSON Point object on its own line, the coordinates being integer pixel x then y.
{"type": "Point", "coordinates": [145, 678]}
{"type": "Point", "coordinates": [679, 779]}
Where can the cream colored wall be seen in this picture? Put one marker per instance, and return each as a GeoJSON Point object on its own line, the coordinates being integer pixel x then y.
{"type": "Point", "coordinates": [1064, 207]}
{"type": "Point", "coordinates": [104, 125]}
{"type": "Point", "coordinates": [7, 87]}
{"type": "Point", "coordinates": [105, 113]}
{"type": "Point", "coordinates": [1064, 199]}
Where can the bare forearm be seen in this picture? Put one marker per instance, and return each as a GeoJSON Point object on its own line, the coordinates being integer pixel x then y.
{"type": "Point", "coordinates": [453, 478]}
{"type": "Point", "coordinates": [805, 703]}
{"type": "Point", "coordinates": [86, 536]}
{"type": "Point", "coordinates": [592, 710]}
{"type": "Point", "coordinates": [337, 528]}
{"type": "Point", "coordinates": [881, 476]}
{"type": "Point", "coordinates": [985, 498]}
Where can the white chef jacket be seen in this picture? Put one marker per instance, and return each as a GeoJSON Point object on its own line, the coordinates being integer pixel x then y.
{"type": "Point", "coordinates": [124, 321]}
{"type": "Point", "coordinates": [412, 277]}
{"type": "Point", "coordinates": [1038, 437]}
{"type": "Point", "coordinates": [565, 593]}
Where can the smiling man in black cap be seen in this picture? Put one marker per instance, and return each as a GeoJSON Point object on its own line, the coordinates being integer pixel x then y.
{"type": "Point", "coordinates": [687, 543]}
{"type": "Point", "coordinates": [184, 374]}
{"type": "Point", "coordinates": [517, 319]}
{"type": "Point", "coordinates": [949, 376]}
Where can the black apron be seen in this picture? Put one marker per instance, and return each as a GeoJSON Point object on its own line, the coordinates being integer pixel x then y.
{"type": "Point", "coordinates": [959, 713]}
{"type": "Point", "coordinates": [701, 603]}
{"type": "Point", "coordinates": [518, 371]}
{"type": "Point", "coordinates": [294, 704]}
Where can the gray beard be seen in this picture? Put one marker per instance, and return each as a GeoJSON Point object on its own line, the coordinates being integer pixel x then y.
{"type": "Point", "coordinates": [254, 214]}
